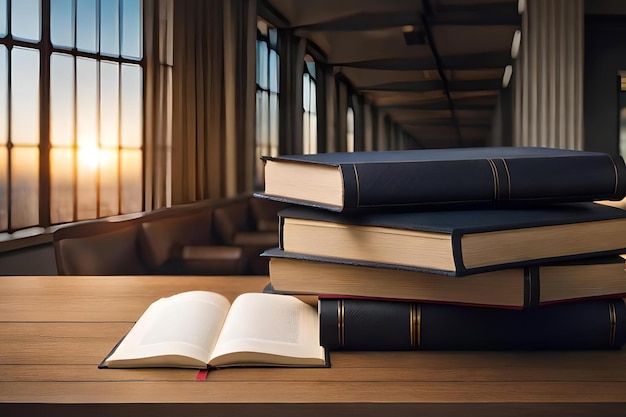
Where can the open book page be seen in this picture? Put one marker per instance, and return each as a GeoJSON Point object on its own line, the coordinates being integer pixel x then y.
{"type": "Point", "coordinates": [269, 329]}
{"type": "Point", "coordinates": [178, 331]}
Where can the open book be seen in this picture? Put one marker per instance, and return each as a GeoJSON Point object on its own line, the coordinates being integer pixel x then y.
{"type": "Point", "coordinates": [197, 329]}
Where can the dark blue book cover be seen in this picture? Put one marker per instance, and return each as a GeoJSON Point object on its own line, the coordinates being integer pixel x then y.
{"type": "Point", "coordinates": [496, 176]}
{"type": "Point", "coordinates": [359, 324]}
{"type": "Point", "coordinates": [458, 242]}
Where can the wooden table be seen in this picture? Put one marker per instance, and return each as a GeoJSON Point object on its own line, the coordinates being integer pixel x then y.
{"type": "Point", "coordinates": [55, 330]}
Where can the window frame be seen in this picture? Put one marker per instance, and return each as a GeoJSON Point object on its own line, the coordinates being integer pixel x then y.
{"type": "Point", "coordinates": [46, 50]}
{"type": "Point", "coordinates": [266, 142]}
{"type": "Point", "coordinates": [309, 110]}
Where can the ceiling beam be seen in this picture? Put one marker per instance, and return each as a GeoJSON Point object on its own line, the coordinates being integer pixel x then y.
{"type": "Point", "coordinates": [449, 122]}
{"type": "Point", "coordinates": [437, 105]}
{"type": "Point", "coordinates": [488, 60]}
{"type": "Point", "coordinates": [501, 14]}
{"type": "Point", "coordinates": [488, 14]}
{"type": "Point", "coordinates": [363, 21]}
{"type": "Point", "coordinates": [432, 85]}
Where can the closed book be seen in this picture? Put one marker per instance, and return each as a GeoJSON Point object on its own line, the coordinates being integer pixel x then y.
{"type": "Point", "coordinates": [354, 181]}
{"type": "Point", "coordinates": [358, 324]}
{"type": "Point", "coordinates": [515, 288]}
{"type": "Point", "coordinates": [457, 242]}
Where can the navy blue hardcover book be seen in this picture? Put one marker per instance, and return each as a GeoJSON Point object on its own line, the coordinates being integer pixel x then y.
{"type": "Point", "coordinates": [359, 324]}
{"type": "Point", "coordinates": [494, 176]}
{"type": "Point", "coordinates": [458, 242]}
{"type": "Point", "coordinates": [517, 288]}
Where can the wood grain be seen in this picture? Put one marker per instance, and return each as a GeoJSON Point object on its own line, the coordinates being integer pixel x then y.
{"type": "Point", "coordinates": [55, 330]}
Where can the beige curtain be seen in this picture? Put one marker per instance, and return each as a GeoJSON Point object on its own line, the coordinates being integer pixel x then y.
{"type": "Point", "coordinates": [292, 50]}
{"type": "Point", "coordinates": [239, 80]}
{"type": "Point", "coordinates": [200, 99]}
{"type": "Point", "coordinates": [197, 56]}
{"type": "Point", "coordinates": [549, 75]}
{"type": "Point", "coordinates": [158, 30]}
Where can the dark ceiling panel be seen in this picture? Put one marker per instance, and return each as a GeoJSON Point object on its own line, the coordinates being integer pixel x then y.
{"type": "Point", "coordinates": [434, 67]}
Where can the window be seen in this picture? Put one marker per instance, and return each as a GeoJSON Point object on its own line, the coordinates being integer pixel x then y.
{"type": "Point", "coordinates": [309, 103]}
{"type": "Point", "coordinates": [350, 129]}
{"type": "Point", "coordinates": [71, 110]}
{"type": "Point", "coordinates": [267, 73]}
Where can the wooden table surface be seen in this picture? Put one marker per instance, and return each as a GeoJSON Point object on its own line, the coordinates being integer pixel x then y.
{"type": "Point", "coordinates": [54, 331]}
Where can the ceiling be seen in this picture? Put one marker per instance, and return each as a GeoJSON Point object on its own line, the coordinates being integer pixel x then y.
{"type": "Point", "coordinates": [435, 66]}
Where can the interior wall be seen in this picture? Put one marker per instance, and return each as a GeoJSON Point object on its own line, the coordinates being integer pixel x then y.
{"type": "Point", "coordinates": [605, 55]}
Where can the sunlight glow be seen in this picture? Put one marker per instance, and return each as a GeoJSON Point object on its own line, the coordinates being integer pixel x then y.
{"type": "Point", "coordinates": [91, 157]}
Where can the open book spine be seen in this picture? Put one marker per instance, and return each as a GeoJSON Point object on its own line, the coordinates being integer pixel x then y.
{"type": "Point", "coordinates": [361, 324]}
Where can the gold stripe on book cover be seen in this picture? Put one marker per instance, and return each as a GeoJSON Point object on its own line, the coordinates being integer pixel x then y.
{"type": "Point", "coordinates": [416, 321]}
{"type": "Point", "coordinates": [613, 321]}
{"type": "Point", "coordinates": [341, 325]}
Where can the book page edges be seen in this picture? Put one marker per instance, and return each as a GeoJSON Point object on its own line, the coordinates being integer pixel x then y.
{"type": "Point", "coordinates": [547, 242]}
{"type": "Point", "coordinates": [308, 182]}
{"type": "Point", "coordinates": [160, 361]}
{"type": "Point", "coordinates": [250, 358]}
{"type": "Point", "coordinates": [375, 244]}
{"type": "Point", "coordinates": [503, 288]}
{"type": "Point", "coordinates": [580, 282]}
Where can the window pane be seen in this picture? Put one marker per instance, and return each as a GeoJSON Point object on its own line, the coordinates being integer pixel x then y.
{"type": "Point", "coordinates": [4, 197]}
{"type": "Point", "coordinates": [262, 69]}
{"type": "Point", "coordinates": [4, 95]}
{"type": "Point", "coordinates": [273, 35]}
{"type": "Point", "coordinates": [131, 29]}
{"type": "Point", "coordinates": [262, 104]}
{"type": "Point", "coordinates": [350, 130]}
{"type": "Point", "coordinates": [61, 100]}
{"type": "Point", "coordinates": [274, 71]}
{"type": "Point", "coordinates": [313, 133]}
{"type": "Point", "coordinates": [87, 179]}
{"type": "Point", "coordinates": [87, 105]}
{"type": "Point", "coordinates": [261, 134]}
{"type": "Point", "coordinates": [25, 20]}
{"type": "Point", "coordinates": [306, 90]}
{"type": "Point", "coordinates": [109, 182]}
{"type": "Point", "coordinates": [62, 23]}
{"type": "Point", "coordinates": [109, 28]}
{"type": "Point", "coordinates": [3, 21]}
{"type": "Point", "coordinates": [86, 190]}
{"type": "Point", "coordinates": [86, 26]}
{"type": "Point", "coordinates": [306, 141]}
{"type": "Point", "coordinates": [274, 124]}
{"type": "Point", "coordinates": [109, 104]}
{"type": "Point", "coordinates": [61, 185]}
{"type": "Point", "coordinates": [24, 187]}
{"type": "Point", "coordinates": [131, 106]}
{"type": "Point", "coordinates": [25, 96]}
{"type": "Point", "coordinates": [310, 65]}
{"type": "Point", "coordinates": [131, 169]}
{"type": "Point", "coordinates": [313, 97]}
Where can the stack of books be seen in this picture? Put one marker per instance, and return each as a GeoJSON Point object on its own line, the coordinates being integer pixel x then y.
{"type": "Point", "coordinates": [449, 249]}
